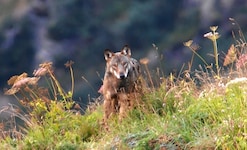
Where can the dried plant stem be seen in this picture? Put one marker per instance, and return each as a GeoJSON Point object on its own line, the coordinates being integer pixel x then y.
{"type": "Point", "coordinates": [57, 85]}
{"type": "Point", "coordinates": [149, 76]}
{"type": "Point", "coordinates": [72, 80]}
{"type": "Point", "coordinates": [203, 60]}
{"type": "Point", "coordinates": [191, 61]}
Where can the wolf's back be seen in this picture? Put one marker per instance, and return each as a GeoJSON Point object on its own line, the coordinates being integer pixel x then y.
{"type": "Point", "coordinates": [135, 69]}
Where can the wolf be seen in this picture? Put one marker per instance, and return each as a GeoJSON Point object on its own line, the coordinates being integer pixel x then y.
{"type": "Point", "coordinates": [120, 81]}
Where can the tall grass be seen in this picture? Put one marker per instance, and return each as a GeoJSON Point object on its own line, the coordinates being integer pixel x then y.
{"type": "Point", "coordinates": [197, 111]}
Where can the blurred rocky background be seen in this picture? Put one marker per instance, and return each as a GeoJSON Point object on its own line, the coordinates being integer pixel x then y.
{"type": "Point", "coordinates": [35, 31]}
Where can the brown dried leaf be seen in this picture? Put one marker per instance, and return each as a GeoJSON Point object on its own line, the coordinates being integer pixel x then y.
{"type": "Point", "coordinates": [12, 80]}
{"type": "Point", "coordinates": [11, 91]}
{"type": "Point", "coordinates": [231, 56]}
{"type": "Point", "coordinates": [25, 81]}
{"type": "Point", "coordinates": [16, 78]}
{"type": "Point", "coordinates": [40, 72]}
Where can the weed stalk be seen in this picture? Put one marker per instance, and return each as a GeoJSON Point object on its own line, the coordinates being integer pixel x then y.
{"type": "Point", "coordinates": [216, 53]}
{"type": "Point", "coordinates": [213, 37]}
{"type": "Point", "coordinates": [189, 45]}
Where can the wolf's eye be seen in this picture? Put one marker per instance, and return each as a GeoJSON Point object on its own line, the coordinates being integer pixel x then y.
{"type": "Point", "coordinates": [115, 66]}
{"type": "Point", "coordinates": [125, 64]}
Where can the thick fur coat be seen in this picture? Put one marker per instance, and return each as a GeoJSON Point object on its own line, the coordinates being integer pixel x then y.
{"type": "Point", "coordinates": [119, 84]}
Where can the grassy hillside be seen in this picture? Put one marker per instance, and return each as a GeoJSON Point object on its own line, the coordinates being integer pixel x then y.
{"type": "Point", "coordinates": [201, 109]}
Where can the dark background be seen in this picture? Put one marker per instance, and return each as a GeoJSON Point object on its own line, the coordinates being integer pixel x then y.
{"type": "Point", "coordinates": [35, 31]}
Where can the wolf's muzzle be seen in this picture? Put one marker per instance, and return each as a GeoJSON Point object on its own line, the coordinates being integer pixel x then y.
{"type": "Point", "coordinates": [122, 76]}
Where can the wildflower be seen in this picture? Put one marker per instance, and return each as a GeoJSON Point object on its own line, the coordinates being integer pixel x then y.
{"type": "Point", "coordinates": [191, 45]}
{"type": "Point", "coordinates": [242, 61]}
{"type": "Point", "coordinates": [231, 19]}
{"type": "Point", "coordinates": [44, 68]}
{"type": "Point", "coordinates": [144, 61]}
{"type": "Point", "coordinates": [212, 36]}
{"type": "Point", "coordinates": [20, 81]}
{"type": "Point", "coordinates": [40, 72]}
{"type": "Point", "coordinates": [69, 63]}
{"type": "Point", "coordinates": [25, 81]}
{"type": "Point", "coordinates": [11, 91]}
{"type": "Point", "coordinates": [188, 43]}
{"type": "Point", "coordinates": [15, 78]}
{"type": "Point", "coordinates": [213, 28]}
{"type": "Point", "coordinates": [47, 65]}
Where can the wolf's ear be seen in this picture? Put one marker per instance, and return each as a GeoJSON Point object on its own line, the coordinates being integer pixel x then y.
{"type": "Point", "coordinates": [126, 50]}
{"type": "Point", "coordinates": [108, 54]}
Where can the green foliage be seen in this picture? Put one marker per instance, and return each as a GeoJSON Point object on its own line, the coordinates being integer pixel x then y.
{"type": "Point", "coordinates": [178, 114]}
{"type": "Point", "coordinates": [175, 115]}
{"type": "Point", "coordinates": [51, 122]}
{"type": "Point", "coordinates": [61, 128]}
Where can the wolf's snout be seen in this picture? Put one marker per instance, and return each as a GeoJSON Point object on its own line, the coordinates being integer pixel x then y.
{"type": "Point", "coordinates": [122, 75]}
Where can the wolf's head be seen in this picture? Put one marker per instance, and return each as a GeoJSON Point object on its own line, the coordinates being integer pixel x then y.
{"type": "Point", "coordinates": [118, 63]}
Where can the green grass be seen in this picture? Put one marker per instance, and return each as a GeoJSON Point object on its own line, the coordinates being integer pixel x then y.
{"type": "Point", "coordinates": [177, 117]}
{"type": "Point", "coordinates": [204, 111]}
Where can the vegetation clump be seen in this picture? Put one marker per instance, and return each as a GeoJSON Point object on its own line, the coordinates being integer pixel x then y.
{"type": "Point", "coordinates": [201, 109]}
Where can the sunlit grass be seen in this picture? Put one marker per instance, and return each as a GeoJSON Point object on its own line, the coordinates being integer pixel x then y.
{"type": "Point", "coordinates": [197, 111]}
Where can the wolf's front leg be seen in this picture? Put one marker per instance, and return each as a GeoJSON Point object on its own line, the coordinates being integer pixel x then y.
{"type": "Point", "coordinates": [110, 106]}
{"type": "Point", "coordinates": [107, 109]}
{"type": "Point", "coordinates": [123, 102]}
